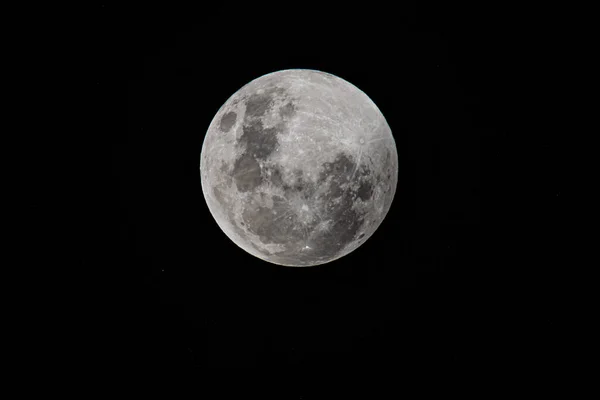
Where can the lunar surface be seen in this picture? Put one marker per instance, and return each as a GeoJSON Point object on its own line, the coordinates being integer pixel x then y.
{"type": "Point", "coordinates": [299, 167]}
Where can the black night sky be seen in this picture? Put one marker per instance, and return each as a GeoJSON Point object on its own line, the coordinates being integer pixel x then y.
{"type": "Point", "coordinates": [435, 285]}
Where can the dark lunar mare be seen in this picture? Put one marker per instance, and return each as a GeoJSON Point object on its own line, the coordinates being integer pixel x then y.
{"type": "Point", "coordinates": [287, 110]}
{"type": "Point", "coordinates": [257, 104]}
{"type": "Point", "coordinates": [247, 173]}
{"type": "Point", "coordinates": [257, 141]}
{"type": "Point", "coordinates": [260, 142]}
{"type": "Point", "coordinates": [365, 190]}
{"type": "Point", "coordinates": [227, 121]}
{"type": "Point", "coordinates": [273, 225]}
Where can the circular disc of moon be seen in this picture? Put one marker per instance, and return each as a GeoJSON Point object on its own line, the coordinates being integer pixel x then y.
{"type": "Point", "coordinates": [299, 167]}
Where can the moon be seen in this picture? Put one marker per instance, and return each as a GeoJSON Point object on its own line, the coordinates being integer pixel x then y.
{"type": "Point", "coordinates": [299, 167]}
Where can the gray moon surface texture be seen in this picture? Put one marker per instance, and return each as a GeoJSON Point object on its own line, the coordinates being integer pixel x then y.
{"type": "Point", "coordinates": [299, 167]}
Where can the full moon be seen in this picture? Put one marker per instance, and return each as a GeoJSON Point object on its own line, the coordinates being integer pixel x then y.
{"type": "Point", "coordinates": [299, 167]}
